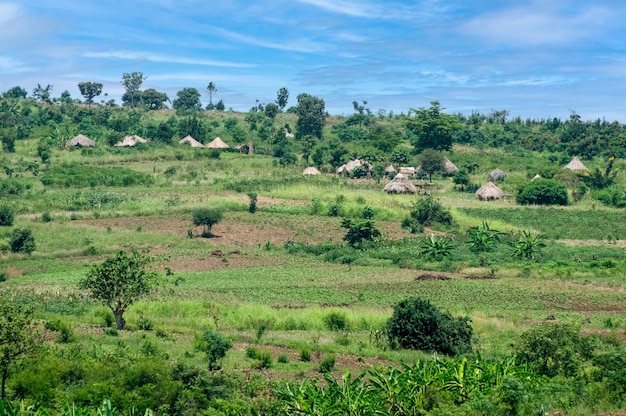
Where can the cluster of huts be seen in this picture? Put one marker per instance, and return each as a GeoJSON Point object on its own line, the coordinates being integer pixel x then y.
{"type": "Point", "coordinates": [130, 141]}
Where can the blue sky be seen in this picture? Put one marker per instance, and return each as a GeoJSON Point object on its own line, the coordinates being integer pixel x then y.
{"type": "Point", "coordinates": [537, 59]}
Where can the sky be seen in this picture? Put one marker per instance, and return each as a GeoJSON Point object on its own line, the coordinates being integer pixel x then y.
{"type": "Point", "coordinates": [535, 59]}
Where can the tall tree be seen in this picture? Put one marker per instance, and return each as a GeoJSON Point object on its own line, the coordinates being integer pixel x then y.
{"type": "Point", "coordinates": [431, 129]}
{"type": "Point", "coordinates": [42, 93]}
{"type": "Point", "coordinates": [188, 101]}
{"type": "Point", "coordinates": [89, 90]}
{"type": "Point", "coordinates": [282, 96]}
{"type": "Point", "coordinates": [153, 99]}
{"type": "Point", "coordinates": [19, 336]}
{"type": "Point", "coordinates": [120, 281]}
{"type": "Point", "coordinates": [432, 161]}
{"type": "Point", "coordinates": [211, 89]}
{"type": "Point", "coordinates": [311, 116]}
{"type": "Point", "coordinates": [132, 83]}
{"type": "Point", "coordinates": [16, 92]}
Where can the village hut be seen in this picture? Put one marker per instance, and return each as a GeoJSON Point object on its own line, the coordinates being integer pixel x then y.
{"type": "Point", "coordinates": [537, 176]}
{"type": "Point", "coordinates": [400, 184]}
{"type": "Point", "coordinates": [192, 142]}
{"type": "Point", "coordinates": [130, 141]}
{"type": "Point", "coordinates": [489, 192]}
{"type": "Point", "coordinates": [449, 167]}
{"type": "Point", "coordinates": [496, 175]}
{"type": "Point", "coordinates": [81, 141]}
{"type": "Point", "coordinates": [349, 167]}
{"type": "Point", "coordinates": [217, 143]}
{"type": "Point", "coordinates": [575, 164]}
{"type": "Point", "coordinates": [390, 170]}
{"type": "Point", "coordinates": [340, 169]}
{"type": "Point", "coordinates": [311, 171]}
{"type": "Point", "coordinates": [289, 135]}
{"type": "Point", "coordinates": [408, 170]}
{"type": "Point", "coordinates": [242, 148]}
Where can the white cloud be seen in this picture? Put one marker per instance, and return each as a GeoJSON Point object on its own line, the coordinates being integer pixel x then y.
{"type": "Point", "coordinates": [8, 13]}
{"type": "Point", "coordinates": [128, 55]}
{"type": "Point", "coordinates": [299, 45]}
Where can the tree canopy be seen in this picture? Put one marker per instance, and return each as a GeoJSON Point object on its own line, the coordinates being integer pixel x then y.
{"type": "Point", "coordinates": [132, 83]}
{"type": "Point", "coordinates": [188, 101]}
{"type": "Point", "coordinates": [311, 116]}
{"type": "Point", "coordinates": [431, 129]}
{"type": "Point", "coordinates": [89, 90]}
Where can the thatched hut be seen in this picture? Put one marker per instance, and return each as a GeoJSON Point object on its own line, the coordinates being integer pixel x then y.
{"type": "Point", "coordinates": [390, 170]}
{"type": "Point", "coordinates": [496, 175]}
{"type": "Point", "coordinates": [311, 171]}
{"type": "Point", "coordinates": [81, 141]}
{"type": "Point", "coordinates": [537, 176]}
{"type": "Point", "coordinates": [130, 141]}
{"type": "Point", "coordinates": [400, 184]}
{"type": "Point", "coordinates": [349, 167]}
{"type": "Point", "coordinates": [575, 164]}
{"type": "Point", "coordinates": [408, 170]}
{"type": "Point", "coordinates": [489, 192]}
{"type": "Point", "coordinates": [192, 142]}
{"type": "Point", "coordinates": [449, 167]}
{"type": "Point", "coordinates": [217, 143]}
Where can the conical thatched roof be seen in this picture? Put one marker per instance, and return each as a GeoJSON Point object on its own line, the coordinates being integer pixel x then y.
{"type": "Point", "coordinates": [311, 171]}
{"type": "Point", "coordinates": [408, 170]}
{"type": "Point", "coordinates": [537, 176]}
{"type": "Point", "coordinates": [353, 164]}
{"type": "Point", "coordinates": [217, 143]}
{"type": "Point", "coordinates": [130, 141]}
{"type": "Point", "coordinates": [400, 185]}
{"type": "Point", "coordinates": [496, 175]}
{"type": "Point", "coordinates": [575, 164]}
{"type": "Point", "coordinates": [390, 169]}
{"type": "Point", "coordinates": [192, 142]}
{"type": "Point", "coordinates": [449, 166]}
{"type": "Point", "coordinates": [489, 192]}
{"type": "Point", "coordinates": [81, 141]}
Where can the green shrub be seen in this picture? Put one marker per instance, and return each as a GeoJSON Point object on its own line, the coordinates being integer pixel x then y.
{"type": "Point", "coordinates": [46, 217]}
{"type": "Point", "coordinates": [359, 230]}
{"type": "Point", "coordinates": [6, 215]}
{"type": "Point", "coordinates": [3, 276]}
{"type": "Point", "coordinates": [427, 211]}
{"type": "Point", "coordinates": [282, 359]}
{"type": "Point", "coordinates": [336, 321]}
{"type": "Point", "coordinates": [542, 192]}
{"type": "Point", "coordinates": [327, 364]}
{"type": "Point", "coordinates": [305, 355]}
{"type": "Point", "coordinates": [207, 217]}
{"type": "Point", "coordinates": [22, 241]}
{"type": "Point", "coordinates": [419, 325]}
{"type": "Point", "coordinates": [554, 349]}
{"type": "Point", "coordinates": [215, 346]}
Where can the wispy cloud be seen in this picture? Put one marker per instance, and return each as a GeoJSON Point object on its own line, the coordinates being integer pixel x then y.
{"type": "Point", "coordinates": [127, 55]}
{"type": "Point", "coordinates": [294, 45]}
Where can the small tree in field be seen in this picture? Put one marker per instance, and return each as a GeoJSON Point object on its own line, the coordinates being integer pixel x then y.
{"type": "Point", "coordinates": [359, 230]}
{"type": "Point", "coordinates": [120, 281]}
{"type": "Point", "coordinates": [207, 217]}
{"type": "Point", "coordinates": [18, 336]}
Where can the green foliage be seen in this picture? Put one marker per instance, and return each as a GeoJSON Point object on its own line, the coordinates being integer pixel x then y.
{"type": "Point", "coordinates": [417, 324]}
{"type": "Point", "coordinates": [336, 321]}
{"type": "Point", "coordinates": [527, 246]}
{"type": "Point", "coordinates": [542, 192]}
{"type": "Point", "coordinates": [252, 204]}
{"type": "Point", "coordinates": [412, 226]}
{"type": "Point", "coordinates": [22, 241]}
{"type": "Point", "coordinates": [78, 176]}
{"type": "Point", "coordinates": [119, 281]}
{"type": "Point", "coordinates": [429, 211]}
{"type": "Point", "coordinates": [596, 179]}
{"type": "Point", "coordinates": [613, 196]}
{"type": "Point", "coordinates": [368, 212]}
{"type": "Point", "coordinates": [215, 346]}
{"type": "Point", "coordinates": [436, 247]}
{"type": "Point", "coordinates": [207, 217]}
{"type": "Point", "coordinates": [554, 349]}
{"type": "Point", "coordinates": [6, 215]}
{"type": "Point", "coordinates": [430, 128]}
{"type": "Point", "coordinates": [305, 355]}
{"type": "Point", "coordinates": [482, 238]}
{"type": "Point", "coordinates": [311, 116]}
{"type": "Point", "coordinates": [263, 357]}
{"type": "Point", "coordinates": [359, 230]}
{"type": "Point", "coordinates": [431, 161]}
{"type": "Point", "coordinates": [327, 364]}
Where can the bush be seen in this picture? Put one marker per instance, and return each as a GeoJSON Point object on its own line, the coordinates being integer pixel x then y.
{"type": "Point", "coordinates": [359, 231]}
{"type": "Point", "coordinates": [215, 346]}
{"type": "Point", "coordinates": [542, 192]}
{"type": "Point", "coordinates": [427, 211]}
{"type": "Point", "coordinates": [6, 215]}
{"type": "Point", "coordinates": [327, 364]}
{"type": "Point", "coordinates": [207, 217]}
{"type": "Point", "coordinates": [305, 355]}
{"type": "Point", "coordinates": [419, 325]}
{"type": "Point", "coordinates": [22, 241]}
{"type": "Point", "coordinates": [336, 321]}
{"type": "Point", "coordinates": [554, 349]}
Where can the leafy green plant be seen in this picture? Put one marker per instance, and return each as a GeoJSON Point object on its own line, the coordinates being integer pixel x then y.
{"type": "Point", "coordinates": [527, 246]}
{"type": "Point", "coordinates": [328, 363]}
{"type": "Point", "coordinates": [336, 321]}
{"type": "Point", "coordinates": [427, 211]}
{"type": "Point", "coordinates": [207, 217]}
{"type": "Point", "coordinates": [418, 324]}
{"type": "Point", "coordinates": [215, 347]}
{"type": "Point", "coordinates": [22, 241]}
{"type": "Point", "coordinates": [359, 230]}
{"type": "Point", "coordinates": [305, 355]}
{"type": "Point", "coordinates": [482, 238]}
{"type": "Point", "coordinates": [252, 205]}
{"type": "Point", "coordinates": [542, 192]}
{"type": "Point", "coordinates": [436, 247]}
{"type": "Point", "coordinates": [6, 215]}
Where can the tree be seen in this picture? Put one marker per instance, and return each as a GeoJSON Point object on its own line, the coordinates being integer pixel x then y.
{"type": "Point", "coordinates": [417, 324]}
{"type": "Point", "coordinates": [432, 161]}
{"type": "Point", "coordinates": [89, 90]}
{"type": "Point", "coordinates": [271, 110]}
{"type": "Point", "coordinates": [42, 93]}
{"type": "Point", "coordinates": [282, 96]}
{"type": "Point", "coordinates": [120, 281]}
{"type": "Point", "coordinates": [542, 191]}
{"type": "Point", "coordinates": [19, 336]}
{"type": "Point", "coordinates": [220, 105]}
{"type": "Point", "coordinates": [211, 89]}
{"type": "Point", "coordinates": [22, 241]}
{"type": "Point", "coordinates": [16, 92]}
{"type": "Point", "coordinates": [207, 217]}
{"type": "Point", "coordinates": [359, 230]}
{"type": "Point", "coordinates": [430, 128]}
{"type": "Point", "coordinates": [6, 215]}
{"type": "Point", "coordinates": [215, 346]}
{"type": "Point", "coordinates": [188, 101]}
{"type": "Point", "coordinates": [311, 116]}
{"type": "Point", "coordinates": [153, 99]}
{"type": "Point", "coordinates": [132, 83]}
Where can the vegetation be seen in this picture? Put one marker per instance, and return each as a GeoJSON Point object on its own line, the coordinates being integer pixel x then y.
{"type": "Point", "coordinates": [542, 192]}
{"type": "Point", "coordinates": [207, 217]}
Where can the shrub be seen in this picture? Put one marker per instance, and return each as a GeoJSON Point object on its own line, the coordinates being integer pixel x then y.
{"type": "Point", "coordinates": [283, 359]}
{"type": "Point", "coordinates": [336, 321]}
{"type": "Point", "coordinates": [427, 211]}
{"type": "Point", "coordinates": [327, 364]}
{"type": "Point", "coordinates": [554, 349]}
{"type": "Point", "coordinates": [22, 241]}
{"type": "Point", "coordinates": [215, 346]}
{"type": "Point", "coordinates": [252, 205]}
{"type": "Point", "coordinates": [436, 247]}
{"type": "Point", "coordinates": [207, 217]}
{"type": "Point", "coordinates": [419, 325]}
{"type": "Point", "coordinates": [6, 215]}
{"type": "Point", "coordinates": [542, 192]}
{"type": "Point", "coordinates": [359, 231]}
{"type": "Point", "coordinates": [46, 217]}
{"type": "Point", "coordinates": [305, 355]}
{"type": "Point", "coordinates": [3, 276]}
